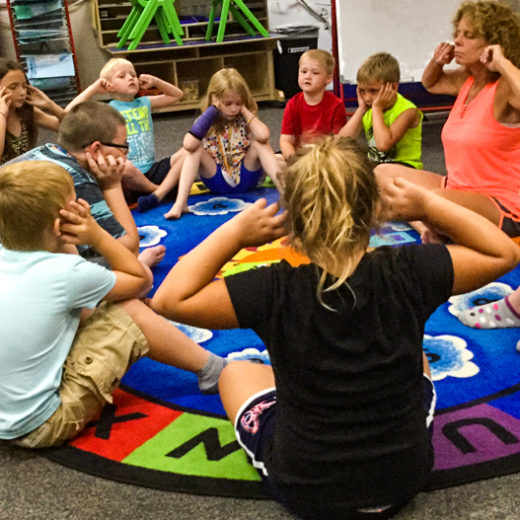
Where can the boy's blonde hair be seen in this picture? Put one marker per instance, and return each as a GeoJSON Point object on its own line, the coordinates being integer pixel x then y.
{"type": "Point", "coordinates": [496, 23]}
{"type": "Point", "coordinates": [108, 68]}
{"type": "Point", "coordinates": [31, 196]}
{"type": "Point", "coordinates": [228, 79]}
{"type": "Point", "coordinates": [382, 67]}
{"type": "Point", "coordinates": [325, 59]}
{"type": "Point", "coordinates": [88, 122]}
{"type": "Point", "coordinates": [330, 194]}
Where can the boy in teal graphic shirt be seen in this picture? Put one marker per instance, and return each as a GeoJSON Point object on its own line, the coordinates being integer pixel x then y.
{"type": "Point", "coordinates": [392, 124]}
{"type": "Point", "coordinates": [145, 179]}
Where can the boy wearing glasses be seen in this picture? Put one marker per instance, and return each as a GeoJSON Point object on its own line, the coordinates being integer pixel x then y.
{"type": "Point", "coordinates": [92, 148]}
{"type": "Point", "coordinates": [146, 180]}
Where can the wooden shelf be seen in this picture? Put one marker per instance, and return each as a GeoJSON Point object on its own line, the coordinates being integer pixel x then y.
{"type": "Point", "coordinates": [191, 65]}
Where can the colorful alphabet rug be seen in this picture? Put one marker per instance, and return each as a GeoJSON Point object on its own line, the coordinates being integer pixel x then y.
{"type": "Point", "coordinates": [162, 433]}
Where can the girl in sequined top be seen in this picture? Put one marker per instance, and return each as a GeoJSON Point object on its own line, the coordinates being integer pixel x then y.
{"type": "Point", "coordinates": [228, 145]}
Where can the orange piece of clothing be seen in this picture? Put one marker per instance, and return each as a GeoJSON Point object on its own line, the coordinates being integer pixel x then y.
{"type": "Point", "coordinates": [482, 154]}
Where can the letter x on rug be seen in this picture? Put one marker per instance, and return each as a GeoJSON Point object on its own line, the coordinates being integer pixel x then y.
{"type": "Point", "coordinates": [162, 433]}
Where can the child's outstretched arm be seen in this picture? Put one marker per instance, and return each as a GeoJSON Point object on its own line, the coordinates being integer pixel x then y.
{"type": "Point", "coordinates": [287, 145]}
{"type": "Point", "coordinates": [77, 226]}
{"type": "Point", "coordinates": [387, 136]}
{"type": "Point", "coordinates": [189, 294]}
{"type": "Point", "coordinates": [100, 86]}
{"type": "Point", "coordinates": [481, 251]}
{"type": "Point", "coordinates": [169, 94]}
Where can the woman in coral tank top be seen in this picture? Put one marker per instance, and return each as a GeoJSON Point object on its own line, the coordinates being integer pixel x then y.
{"type": "Point", "coordinates": [481, 137]}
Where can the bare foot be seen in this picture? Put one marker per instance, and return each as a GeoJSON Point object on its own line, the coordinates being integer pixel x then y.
{"type": "Point", "coordinates": [176, 211]}
{"type": "Point", "coordinates": [151, 256]}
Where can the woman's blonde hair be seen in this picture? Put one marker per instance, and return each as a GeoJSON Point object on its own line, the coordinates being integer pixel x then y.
{"type": "Point", "coordinates": [330, 194]}
{"type": "Point", "coordinates": [228, 79]}
{"type": "Point", "coordinates": [31, 196]}
{"type": "Point", "coordinates": [496, 23]}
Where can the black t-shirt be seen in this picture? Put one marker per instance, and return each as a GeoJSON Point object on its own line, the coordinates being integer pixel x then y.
{"type": "Point", "coordinates": [350, 425]}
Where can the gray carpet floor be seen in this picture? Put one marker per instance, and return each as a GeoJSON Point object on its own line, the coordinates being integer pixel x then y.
{"type": "Point", "coordinates": [33, 488]}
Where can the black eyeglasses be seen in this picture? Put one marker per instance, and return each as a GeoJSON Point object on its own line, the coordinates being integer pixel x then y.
{"type": "Point", "coordinates": [123, 147]}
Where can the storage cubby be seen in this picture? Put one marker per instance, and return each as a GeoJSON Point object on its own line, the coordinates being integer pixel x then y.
{"type": "Point", "coordinates": [191, 65]}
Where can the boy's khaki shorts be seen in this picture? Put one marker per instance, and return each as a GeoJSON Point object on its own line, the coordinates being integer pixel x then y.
{"type": "Point", "coordinates": [103, 350]}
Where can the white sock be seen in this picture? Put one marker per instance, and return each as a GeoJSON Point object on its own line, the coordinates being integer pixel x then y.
{"type": "Point", "coordinates": [493, 315]}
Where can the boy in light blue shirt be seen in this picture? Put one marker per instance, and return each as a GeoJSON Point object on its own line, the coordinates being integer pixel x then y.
{"type": "Point", "coordinates": [62, 351]}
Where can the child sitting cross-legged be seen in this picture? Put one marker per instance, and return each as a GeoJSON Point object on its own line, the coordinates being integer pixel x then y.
{"type": "Point", "coordinates": [146, 180]}
{"type": "Point", "coordinates": [313, 112]}
{"type": "Point", "coordinates": [392, 123]}
{"type": "Point", "coordinates": [339, 426]}
{"type": "Point", "coordinates": [71, 328]}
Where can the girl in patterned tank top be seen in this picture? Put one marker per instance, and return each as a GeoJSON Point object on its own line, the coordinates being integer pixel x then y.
{"type": "Point", "coordinates": [228, 145]}
{"type": "Point", "coordinates": [22, 109]}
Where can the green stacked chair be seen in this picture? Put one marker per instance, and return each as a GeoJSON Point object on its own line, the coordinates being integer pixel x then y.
{"type": "Point", "coordinates": [242, 15]}
{"type": "Point", "coordinates": [142, 13]}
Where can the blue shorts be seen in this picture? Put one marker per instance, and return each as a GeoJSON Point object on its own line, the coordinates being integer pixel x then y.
{"type": "Point", "coordinates": [254, 428]}
{"type": "Point", "coordinates": [248, 181]}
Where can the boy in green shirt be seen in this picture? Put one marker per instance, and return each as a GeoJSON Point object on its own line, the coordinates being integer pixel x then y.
{"type": "Point", "coordinates": [392, 124]}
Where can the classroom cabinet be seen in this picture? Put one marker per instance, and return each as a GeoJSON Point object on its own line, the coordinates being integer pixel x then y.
{"type": "Point", "coordinates": [191, 65]}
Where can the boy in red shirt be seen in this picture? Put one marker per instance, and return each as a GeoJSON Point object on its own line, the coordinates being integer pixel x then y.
{"type": "Point", "coordinates": [314, 111]}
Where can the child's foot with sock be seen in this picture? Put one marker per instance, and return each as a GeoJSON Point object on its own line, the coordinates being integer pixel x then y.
{"type": "Point", "coordinates": [208, 375]}
{"type": "Point", "coordinates": [494, 315]}
{"type": "Point", "coordinates": [147, 202]}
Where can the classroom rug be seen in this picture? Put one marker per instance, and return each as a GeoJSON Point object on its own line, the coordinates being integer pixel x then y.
{"type": "Point", "coordinates": [160, 432]}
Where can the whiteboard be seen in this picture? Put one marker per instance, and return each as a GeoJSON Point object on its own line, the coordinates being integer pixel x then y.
{"type": "Point", "coordinates": [408, 29]}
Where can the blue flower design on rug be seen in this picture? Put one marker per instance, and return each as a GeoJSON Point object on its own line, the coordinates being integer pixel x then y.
{"type": "Point", "coordinates": [449, 356]}
{"type": "Point", "coordinates": [250, 353]}
{"type": "Point", "coordinates": [489, 293]}
{"type": "Point", "coordinates": [150, 235]}
{"type": "Point", "coordinates": [218, 206]}
{"type": "Point", "coordinates": [197, 334]}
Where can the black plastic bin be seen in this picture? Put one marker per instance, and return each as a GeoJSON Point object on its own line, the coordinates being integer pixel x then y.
{"type": "Point", "coordinates": [294, 41]}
